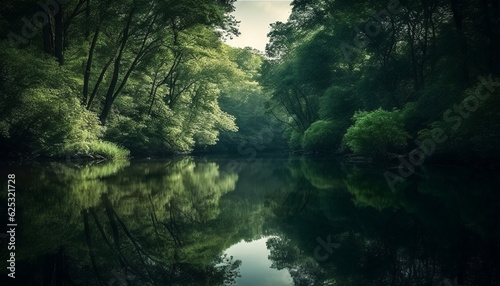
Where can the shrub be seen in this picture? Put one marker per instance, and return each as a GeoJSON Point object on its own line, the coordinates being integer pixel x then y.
{"type": "Point", "coordinates": [322, 135]}
{"type": "Point", "coordinates": [375, 132]}
{"type": "Point", "coordinates": [41, 115]}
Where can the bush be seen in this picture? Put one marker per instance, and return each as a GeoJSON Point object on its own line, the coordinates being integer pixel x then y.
{"type": "Point", "coordinates": [376, 132]}
{"type": "Point", "coordinates": [47, 121]}
{"type": "Point", "coordinates": [322, 135]}
{"type": "Point", "coordinates": [42, 115]}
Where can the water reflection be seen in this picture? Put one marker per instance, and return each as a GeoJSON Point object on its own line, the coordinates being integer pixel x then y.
{"type": "Point", "coordinates": [257, 269]}
{"type": "Point", "coordinates": [438, 228]}
{"type": "Point", "coordinates": [147, 223]}
{"type": "Point", "coordinates": [300, 221]}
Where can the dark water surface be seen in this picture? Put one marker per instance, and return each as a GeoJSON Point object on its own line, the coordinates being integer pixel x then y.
{"type": "Point", "coordinates": [273, 221]}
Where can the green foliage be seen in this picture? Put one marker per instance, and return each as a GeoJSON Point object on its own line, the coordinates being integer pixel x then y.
{"type": "Point", "coordinates": [338, 104]}
{"type": "Point", "coordinates": [246, 100]}
{"type": "Point", "coordinates": [332, 58]}
{"type": "Point", "coordinates": [295, 141]}
{"type": "Point", "coordinates": [181, 113]}
{"type": "Point", "coordinates": [96, 150]}
{"type": "Point", "coordinates": [151, 71]}
{"type": "Point", "coordinates": [470, 133]}
{"type": "Point", "coordinates": [158, 77]}
{"type": "Point", "coordinates": [41, 116]}
{"type": "Point", "coordinates": [322, 136]}
{"type": "Point", "coordinates": [376, 132]}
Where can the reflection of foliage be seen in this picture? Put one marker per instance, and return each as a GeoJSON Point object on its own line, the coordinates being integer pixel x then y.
{"type": "Point", "coordinates": [372, 192]}
{"type": "Point", "coordinates": [225, 265]}
{"type": "Point", "coordinates": [85, 182]}
{"type": "Point", "coordinates": [155, 221]}
{"type": "Point", "coordinates": [285, 254]}
{"type": "Point", "coordinates": [282, 253]}
{"type": "Point", "coordinates": [287, 204]}
{"type": "Point", "coordinates": [169, 222]}
{"type": "Point", "coordinates": [420, 234]}
{"type": "Point", "coordinates": [190, 189]}
{"type": "Point", "coordinates": [55, 199]}
{"type": "Point", "coordinates": [322, 174]}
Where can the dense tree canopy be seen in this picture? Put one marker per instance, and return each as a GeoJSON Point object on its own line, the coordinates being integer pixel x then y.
{"type": "Point", "coordinates": [144, 75]}
{"type": "Point", "coordinates": [155, 78]}
{"type": "Point", "coordinates": [334, 58]}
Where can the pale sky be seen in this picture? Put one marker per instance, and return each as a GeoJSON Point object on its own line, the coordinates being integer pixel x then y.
{"type": "Point", "coordinates": [255, 17]}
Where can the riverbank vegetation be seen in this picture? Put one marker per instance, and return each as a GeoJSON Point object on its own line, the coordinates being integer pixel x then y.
{"type": "Point", "coordinates": [385, 74]}
{"type": "Point", "coordinates": [146, 76]}
{"type": "Point", "coordinates": [101, 79]}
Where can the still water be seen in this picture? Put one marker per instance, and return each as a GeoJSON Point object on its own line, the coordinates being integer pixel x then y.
{"type": "Point", "coordinates": [272, 221]}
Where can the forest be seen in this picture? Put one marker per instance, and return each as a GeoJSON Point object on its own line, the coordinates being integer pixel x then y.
{"type": "Point", "coordinates": [139, 147]}
{"type": "Point", "coordinates": [107, 79]}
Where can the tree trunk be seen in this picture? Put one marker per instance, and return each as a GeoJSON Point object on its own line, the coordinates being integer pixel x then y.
{"type": "Point", "coordinates": [116, 72]}
{"type": "Point", "coordinates": [88, 67]}
{"type": "Point", "coordinates": [99, 80]}
{"type": "Point", "coordinates": [87, 19]}
{"type": "Point", "coordinates": [48, 38]}
{"type": "Point", "coordinates": [105, 110]}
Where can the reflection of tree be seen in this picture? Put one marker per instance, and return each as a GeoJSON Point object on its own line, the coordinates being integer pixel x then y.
{"type": "Point", "coordinates": [427, 231]}
{"type": "Point", "coordinates": [136, 257]}
{"type": "Point", "coordinates": [84, 182]}
{"type": "Point", "coordinates": [171, 198]}
{"type": "Point", "coordinates": [285, 254]}
{"type": "Point", "coordinates": [55, 195]}
{"type": "Point", "coordinates": [282, 252]}
{"type": "Point", "coordinates": [322, 174]}
{"type": "Point", "coordinates": [294, 202]}
{"type": "Point", "coordinates": [168, 223]}
{"type": "Point", "coordinates": [369, 188]}
{"type": "Point", "coordinates": [292, 198]}
{"type": "Point", "coordinates": [142, 222]}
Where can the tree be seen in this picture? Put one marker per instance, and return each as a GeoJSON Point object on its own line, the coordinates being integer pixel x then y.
{"type": "Point", "coordinates": [112, 51]}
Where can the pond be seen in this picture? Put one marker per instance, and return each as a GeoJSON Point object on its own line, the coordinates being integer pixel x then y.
{"type": "Point", "coordinates": [276, 220]}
